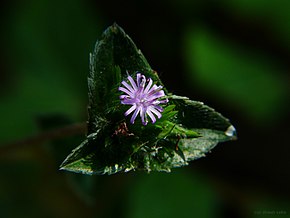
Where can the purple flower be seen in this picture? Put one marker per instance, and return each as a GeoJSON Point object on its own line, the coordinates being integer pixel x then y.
{"type": "Point", "coordinates": [144, 99]}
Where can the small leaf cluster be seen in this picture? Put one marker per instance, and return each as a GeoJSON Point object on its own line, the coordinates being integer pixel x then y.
{"type": "Point", "coordinates": [186, 131]}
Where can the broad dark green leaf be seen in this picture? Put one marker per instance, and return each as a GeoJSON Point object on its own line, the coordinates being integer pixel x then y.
{"type": "Point", "coordinates": [114, 57]}
{"type": "Point", "coordinates": [186, 131]}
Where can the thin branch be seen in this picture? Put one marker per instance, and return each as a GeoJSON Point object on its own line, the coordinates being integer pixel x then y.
{"type": "Point", "coordinates": [66, 131]}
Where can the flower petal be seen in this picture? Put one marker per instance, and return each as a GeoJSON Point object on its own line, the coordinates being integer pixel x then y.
{"type": "Point", "coordinates": [142, 115]}
{"type": "Point", "coordinates": [138, 79]}
{"type": "Point", "coordinates": [134, 115]}
{"type": "Point", "coordinates": [154, 87]}
{"type": "Point", "coordinates": [126, 91]}
{"type": "Point", "coordinates": [128, 86]}
{"type": "Point", "coordinates": [151, 116]}
{"type": "Point", "coordinates": [143, 82]}
{"type": "Point", "coordinates": [124, 96]}
{"type": "Point", "coordinates": [159, 108]}
{"type": "Point", "coordinates": [148, 86]}
{"type": "Point", "coordinates": [128, 101]}
{"type": "Point", "coordinates": [156, 95]}
{"type": "Point", "coordinates": [132, 83]}
{"type": "Point", "coordinates": [164, 101]}
{"type": "Point", "coordinates": [157, 113]}
{"type": "Point", "coordinates": [130, 110]}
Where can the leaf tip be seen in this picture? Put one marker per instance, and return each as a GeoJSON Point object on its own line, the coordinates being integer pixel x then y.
{"type": "Point", "coordinates": [231, 132]}
{"type": "Point", "coordinates": [115, 28]}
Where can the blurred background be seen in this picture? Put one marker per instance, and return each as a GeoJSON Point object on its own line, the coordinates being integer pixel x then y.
{"type": "Point", "coordinates": [232, 55]}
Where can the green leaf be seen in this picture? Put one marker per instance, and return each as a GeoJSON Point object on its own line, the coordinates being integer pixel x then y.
{"type": "Point", "coordinates": [211, 126]}
{"type": "Point", "coordinates": [84, 160]}
{"type": "Point", "coordinates": [115, 56]}
{"type": "Point", "coordinates": [186, 130]}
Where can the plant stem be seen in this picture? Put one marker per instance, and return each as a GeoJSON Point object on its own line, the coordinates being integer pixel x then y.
{"type": "Point", "coordinates": [66, 131]}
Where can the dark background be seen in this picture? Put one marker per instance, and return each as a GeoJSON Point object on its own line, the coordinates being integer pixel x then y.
{"type": "Point", "coordinates": [232, 55]}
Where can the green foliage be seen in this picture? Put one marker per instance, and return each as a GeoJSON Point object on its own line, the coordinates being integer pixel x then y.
{"type": "Point", "coordinates": [187, 195]}
{"type": "Point", "coordinates": [187, 130]}
{"type": "Point", "coordinates": [229, 72]}
{"type": "Point", "coordinates": [40, 54]}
